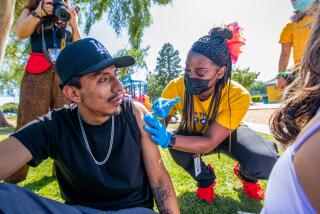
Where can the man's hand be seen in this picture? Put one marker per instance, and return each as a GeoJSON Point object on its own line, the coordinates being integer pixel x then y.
{"type": "Point", "coordinates": [74, 18]}
{"type": "Point", "coordinates": [158, 130]}
{"type": "Point", "coordinates": [161, 107]}
{"type": "Point", "coordinates": [76, 35]}
{"type": "Point", "coordinates": [45, 9]}
{"type": "Point", "coordinates": [282, 83]}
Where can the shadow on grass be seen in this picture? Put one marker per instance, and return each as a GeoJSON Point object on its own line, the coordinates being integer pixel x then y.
{"type": "Point", "coordinates": [37, 185]}
{"type": "Point", "coordinates": [222, 204]}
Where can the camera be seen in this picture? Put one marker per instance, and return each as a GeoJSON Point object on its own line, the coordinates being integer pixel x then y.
{"type": "Point", "coordinates": [60, 10]}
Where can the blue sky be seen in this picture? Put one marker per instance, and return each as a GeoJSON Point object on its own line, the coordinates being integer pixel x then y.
{"type": "Point", "coordinates": [184, 21]}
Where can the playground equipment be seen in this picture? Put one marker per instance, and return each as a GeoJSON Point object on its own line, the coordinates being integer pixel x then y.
{"type": "Point", "coordinates": [136, 90]}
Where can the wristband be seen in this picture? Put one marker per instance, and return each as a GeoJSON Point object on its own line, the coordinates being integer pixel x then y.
{"type": "Point", "coordinates": [282, 73]}
{"type": "Point", "coordinates": [172, 141]}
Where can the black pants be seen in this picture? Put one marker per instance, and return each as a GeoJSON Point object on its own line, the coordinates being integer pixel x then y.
{"type": "Point", "coordinates": [255, 154]}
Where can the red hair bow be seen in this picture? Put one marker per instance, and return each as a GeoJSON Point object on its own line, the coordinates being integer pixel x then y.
{"type": "Point", "coordinates": [235, 43]}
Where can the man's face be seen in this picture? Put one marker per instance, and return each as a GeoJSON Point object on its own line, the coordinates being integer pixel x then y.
{"type": "Point", "coordinates": [101, 92]}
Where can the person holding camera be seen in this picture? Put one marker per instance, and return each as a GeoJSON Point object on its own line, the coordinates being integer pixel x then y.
{"type": "Point", "coordinates": [50, 25]}
{"type": "Point", "coordinates": [295, 36]}
{"type": "Point", "coordinates": [212, 107]}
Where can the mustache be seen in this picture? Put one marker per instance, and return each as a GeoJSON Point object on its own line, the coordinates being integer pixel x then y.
{"type": "Point", "coordinates": [114, 96]}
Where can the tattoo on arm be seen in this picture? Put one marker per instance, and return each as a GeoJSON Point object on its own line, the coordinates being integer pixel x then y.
{"type": "Point", "coordinates": [161, 195]}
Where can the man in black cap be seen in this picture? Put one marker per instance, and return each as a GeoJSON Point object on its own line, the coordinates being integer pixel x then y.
{"type": "Point", "coordinates": [103, 159]}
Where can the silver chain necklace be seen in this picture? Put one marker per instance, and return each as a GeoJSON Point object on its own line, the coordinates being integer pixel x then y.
{"type": "Point", "coordinates": [87, 143]}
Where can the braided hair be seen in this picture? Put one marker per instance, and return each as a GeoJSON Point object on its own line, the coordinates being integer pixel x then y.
{"type": "Point", "coordinates": [214, 47]}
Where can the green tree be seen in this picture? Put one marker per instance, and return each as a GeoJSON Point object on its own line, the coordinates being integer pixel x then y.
{"type": "Point", "coordinates": [244, 76]}
{"type": "Point", "coordinates": [132, 16]}
{"type": "Point", "coordinates": [14, 60]}
{"type": "Point", "coordinates": [6, 14]}
{"type": "Point", "coordinates": [168, 67]}
{"type": "Point", "coordinates": [6, 19]}
{"type": "Point", "coordinates": [122, 14]}
{"type": "Point", "coordinates": [139, 55]}
{"type": "Point", "coordinates": [258, 88]}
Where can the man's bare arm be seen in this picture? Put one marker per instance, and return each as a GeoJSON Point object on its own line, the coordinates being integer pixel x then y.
{"type": "Point", "coordinates": [283, 63]}
{"type": "Point", "coordinates": [284, 56]}
{"type": "Point", "coordinates": [159, 179]}
{"type": "Point", "coordinates": [26, 24]}
{"type": "Point", "coordinates": [13, 156]}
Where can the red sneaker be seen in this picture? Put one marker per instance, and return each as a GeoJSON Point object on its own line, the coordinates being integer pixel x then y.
{"type": "Point", "coordinates": [252, 190]}
{"type": "Point", "coordinates": [206, 194]}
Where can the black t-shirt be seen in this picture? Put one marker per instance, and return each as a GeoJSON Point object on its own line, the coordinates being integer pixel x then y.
{"type": "Point", "coordinates": [36, 37]}
{"type": "Point", "coordinates": [121, 182]}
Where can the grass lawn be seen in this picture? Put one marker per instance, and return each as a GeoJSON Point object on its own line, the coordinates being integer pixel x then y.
{"type": "Point", "coordinates": [229, 189]}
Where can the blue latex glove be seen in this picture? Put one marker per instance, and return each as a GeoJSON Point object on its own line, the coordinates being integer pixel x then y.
{"type": "Point", "coordinates": [161, 107]}
{"type": "Point", "coordinates": [158, 130]}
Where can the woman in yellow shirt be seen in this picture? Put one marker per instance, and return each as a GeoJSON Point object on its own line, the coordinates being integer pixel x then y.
{"type": "Point", "coordinates": [212, 108]}
{"type": "Point", "coordinates": [295, 36]}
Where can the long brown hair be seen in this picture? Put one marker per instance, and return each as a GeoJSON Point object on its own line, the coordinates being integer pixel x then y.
{"type": "Point", "coordinates": [302, 99]}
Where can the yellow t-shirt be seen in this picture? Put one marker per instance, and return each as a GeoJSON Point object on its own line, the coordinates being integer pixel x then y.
{"type": "Point", "coordinates": [298, 35]}
{"type": "Point", "coordinates": [239, 104]}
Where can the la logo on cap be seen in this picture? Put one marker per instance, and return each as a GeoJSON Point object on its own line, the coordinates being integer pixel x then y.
{"type": "Point", "coordinates": [99, 47]}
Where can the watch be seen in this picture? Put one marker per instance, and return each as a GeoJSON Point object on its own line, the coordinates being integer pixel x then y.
{"type": "Point", "coordinates": [172, 141]}
{"type": "Point", "coordinates": [34, 14]}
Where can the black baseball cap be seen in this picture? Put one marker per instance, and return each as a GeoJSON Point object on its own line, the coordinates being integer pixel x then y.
{"type": "Point", "coordinates": [87, 56]}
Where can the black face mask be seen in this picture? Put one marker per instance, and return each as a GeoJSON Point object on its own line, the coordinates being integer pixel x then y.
{"type": "Point", "coordinates": [195, 86]}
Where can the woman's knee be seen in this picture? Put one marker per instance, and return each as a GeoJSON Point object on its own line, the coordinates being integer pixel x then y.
{"type": "Point", "coordinates": [259, 168]}
{"type": "Point", "coordinates": [183, 159]}
{"type": "Point", "coordinates": [256, 154]}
